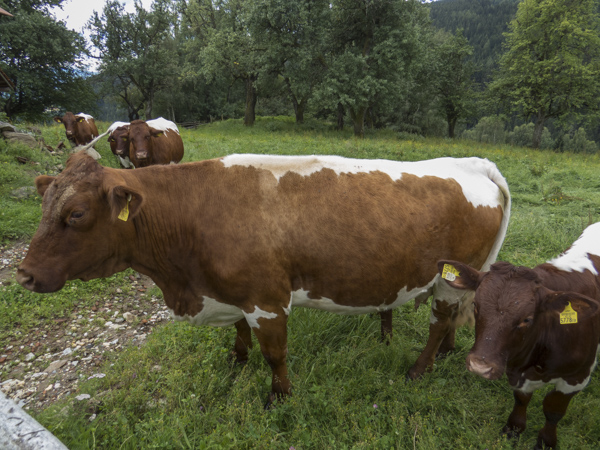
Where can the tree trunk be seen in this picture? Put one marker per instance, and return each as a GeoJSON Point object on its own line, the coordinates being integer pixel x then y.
{"type": "Point", "coordinates": [451, 125]}
{"type": "Point", "coordinates": [358, 120]}
{"type": "Point", "coordinates": [340, 117]}
{"type": "Point", "coordinates": [539, 128]}
{"type": "Point", "coordinates": [250, 115]}
{"type": "Point", "coordinates": [299, 109]}
{"type": "Point", "coordinates": [148, 109]}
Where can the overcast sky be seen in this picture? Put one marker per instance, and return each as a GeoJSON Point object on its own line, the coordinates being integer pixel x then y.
{"type": "Point", "coordinates": [76, 13]}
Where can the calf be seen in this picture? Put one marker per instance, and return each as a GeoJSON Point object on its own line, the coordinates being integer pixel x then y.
{"type": "Point", "coordinates": [541, 326]}
{"type": "Point", "coordinates": [80, 129]}
{"type": "Point", "coordinates": [154, 142]}
{"type": "Point", "coordinates": [118, 138]}
{"type": "Point", "coordinates": [241, 239]}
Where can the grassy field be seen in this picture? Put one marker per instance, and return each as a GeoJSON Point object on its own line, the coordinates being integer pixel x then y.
{"type": "Point", "coordinates": [349, 389]}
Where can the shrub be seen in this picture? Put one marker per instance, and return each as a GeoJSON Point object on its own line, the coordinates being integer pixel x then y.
{"type": "Point", "coordinates": [578, 143]}
{"type": "Point", "coordinates": [489, 129]}
{"type": "Point", "coordinates": [523, 136]}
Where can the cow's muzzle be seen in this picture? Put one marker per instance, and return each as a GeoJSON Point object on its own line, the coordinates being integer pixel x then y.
{"type": "Point", "coordinates": [37, 284]}
{"type": "Point", "coordinates": [487, 369]}
{"type": "Point", "coordinates": [141, 155]}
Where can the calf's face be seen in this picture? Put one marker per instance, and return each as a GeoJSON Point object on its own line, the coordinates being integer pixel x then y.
{"type": "Point", "coordinates": [80, 235]}
{"type": "Point", "coordinates": [119, 141]}
{"type": "Point", "coordinates": [71, 123]}
{"type": "Point", "coordinates": [142, 137]}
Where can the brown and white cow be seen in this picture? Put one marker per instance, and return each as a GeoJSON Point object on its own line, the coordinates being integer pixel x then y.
{"type": "Point", "coordinates": [156, 141]}
{"type": "Point", "coordinates": [80, 129]}
{"type": "Point", "coordinates": [118, 139]}
{"type": "Point", "coordinates": [241, 239]}
{"type": "Point", "coordinates": [524, 327]}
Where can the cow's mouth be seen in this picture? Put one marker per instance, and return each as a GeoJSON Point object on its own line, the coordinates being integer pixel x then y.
{"type": "Point", "coordinates": [36, 284]}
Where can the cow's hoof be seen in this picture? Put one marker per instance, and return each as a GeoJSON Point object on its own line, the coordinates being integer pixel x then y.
{"type": "Point", "coordinates": [238, 360]}
{"type": "Point", "coordinates": [511, 433]}
{"type": "Point", "coordinates": [442, 353]}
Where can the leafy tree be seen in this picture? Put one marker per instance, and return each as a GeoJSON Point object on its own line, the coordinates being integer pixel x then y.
{"type": "Point", "coordinates": [452, 77]}
{"type": "Point", "coordinates": [292, 34]}
{"type": "Point", "coordinates": [137, 52]}
{"type": "Point", "coordinates": [552, 61]}
{"type": "Point", "coordinates": [374, 44]}
{"type": "Point", "coordinates": [43, 58]}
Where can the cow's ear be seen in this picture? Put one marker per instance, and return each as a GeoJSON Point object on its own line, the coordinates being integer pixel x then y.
{"type": "Point", "coordinates": [156, 133]}
{"type": "Point", "coordinates": [124, 202]}
{"type": "Point", "coordinates": [80, 119]}
{"type": "Point", "coordinates": [459, 275]}
{"type": "Point", "coordinates": [42, 182]}
{"type": "Point", "coordinates": [58, 119]}
{"type": "Point", "coordinates": [568, 306]}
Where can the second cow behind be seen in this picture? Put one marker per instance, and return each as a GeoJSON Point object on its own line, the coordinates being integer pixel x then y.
{"type": "Point", "coordinates": [141, 144]}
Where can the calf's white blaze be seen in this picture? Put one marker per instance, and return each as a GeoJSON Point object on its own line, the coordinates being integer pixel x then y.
{"type": "Point", "coordinates": [576, 259]}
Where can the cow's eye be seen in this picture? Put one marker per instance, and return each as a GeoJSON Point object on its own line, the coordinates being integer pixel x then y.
{"type": "Point", "coordinates": [111, 139]}
{"type": "Point", "coordinates": [77, 215]}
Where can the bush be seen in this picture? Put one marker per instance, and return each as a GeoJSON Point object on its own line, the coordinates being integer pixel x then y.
{"type": "Point", "coordinates": [578, 143]}
{"type": "Point", "coordinates": [488, 129]}
{"type": "Point", "coordinates": [523, 136]}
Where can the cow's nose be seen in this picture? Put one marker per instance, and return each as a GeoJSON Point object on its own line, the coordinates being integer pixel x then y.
{"type": "Point", "coordinates": [141, 155]}
{"type": "Point", "coordinates": [25, 279]}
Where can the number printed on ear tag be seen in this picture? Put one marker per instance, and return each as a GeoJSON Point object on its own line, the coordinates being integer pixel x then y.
{"type": "Point", "coordinates": [450, 273]}
{"type": "Point", "coordinates": [569, 315]}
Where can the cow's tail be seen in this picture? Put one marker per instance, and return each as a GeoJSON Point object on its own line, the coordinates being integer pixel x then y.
{"type": "Point", "coordinates": [496, 177]}
{"type": "Point", "coordinates": [89, 147]}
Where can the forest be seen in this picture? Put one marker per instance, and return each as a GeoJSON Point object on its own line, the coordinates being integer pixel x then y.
{"type": "Point", "coordinates": [498, 71]}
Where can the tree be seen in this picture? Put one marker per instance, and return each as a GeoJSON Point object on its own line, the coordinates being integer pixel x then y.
{"type": "Point", "coordinates": [292, 34]}
{"type": "Point", "coordinates": [137, 52]}
{"type": "Point", "coordinates": [44, 59]}
{"type": "Point", "coordinates": [374, 44]}
{"type": "Point", "coordinates": [452, 77]}
{"type": "Point", "coordinates": [552, 60]}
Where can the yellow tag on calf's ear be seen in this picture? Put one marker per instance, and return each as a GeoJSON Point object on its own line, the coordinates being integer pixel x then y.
{"type": "Point", "coordinates": [124, 214]}
{"type": "Point", "coordinates": [569, 315]}
{"type": "Point", "coordinates": [450, 273]}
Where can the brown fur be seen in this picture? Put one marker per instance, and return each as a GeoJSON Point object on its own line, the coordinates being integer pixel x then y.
{"type": "Point", "coordinates": [149, 146]}
{"type": "Point", "coordinates": [79, 130]}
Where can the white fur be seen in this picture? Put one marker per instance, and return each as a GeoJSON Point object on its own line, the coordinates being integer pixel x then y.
{"type": "Point", "coordinates": [575, 259]}
{"type": "Point", "coordinates": [87, 116]}
{"type": "Point", "coordinates": [213, 313]}
{"type": "Point", "coordinates": [126, 162]}
{"type": "Point", "coordinates": [163, 124]}
{"type": "Point", "coordinates": [252, 318]}
{"type": "Point", "coordinates": [116, 125]}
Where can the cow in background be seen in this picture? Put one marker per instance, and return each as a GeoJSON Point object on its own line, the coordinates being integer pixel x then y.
{"type": "Point", "coordinates": [156, 141]}
{"type": "Point", "coordinates": [80, 129]}
{"type": "Point", "coordinates": [118, 138]}
{"type": "Point", "coordinates": [541, 326]}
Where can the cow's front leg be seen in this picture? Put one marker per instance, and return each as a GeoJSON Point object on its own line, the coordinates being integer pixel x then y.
{"type": "Point", "coordinates": [517, 421]}
{"type": "Point", "coordinates": [555, 407]}
{"type": "Point", "coordinates": [440, 325]}
{"type": "Point", "coordinates": [243, 341]}
{"type": "Point", "coordinates": [447, 345]}
{"type": "Point", "coordinates": [271, 331]}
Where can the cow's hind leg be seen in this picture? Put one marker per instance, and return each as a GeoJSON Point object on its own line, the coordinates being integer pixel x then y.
{"type": "Point", "coordinates": [555, 407]}
{"type": "Point", "coordinates": [271, 331]}
{"type": "Point", "coordinates": [243, 341]}
{"type": "Point", "coordinates": [517, 421]}
{"type": "Point", "coordinates": [386, 326]}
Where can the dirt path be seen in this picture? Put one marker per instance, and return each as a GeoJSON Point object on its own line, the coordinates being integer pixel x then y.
{"type": "Point", "coordinates": [48, 363]}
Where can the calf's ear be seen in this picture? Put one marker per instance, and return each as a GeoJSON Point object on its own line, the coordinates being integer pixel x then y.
{"type": "Point", "coordinates": [42, 182]}
{"type": "Point", "coordinates": [558, 302]}
{"type": "Point", "coordinates": [459, 275]}
{"type": "Point", "coordinates": [58, 119]}
{"type": "Point", "coordinates": [156, 133]}
{"type": "Point", "coordinates": [124, 202]}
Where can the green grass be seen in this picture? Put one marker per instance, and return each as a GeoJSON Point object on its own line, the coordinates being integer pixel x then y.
{"type": "Point", "coordinates": [181, 391]}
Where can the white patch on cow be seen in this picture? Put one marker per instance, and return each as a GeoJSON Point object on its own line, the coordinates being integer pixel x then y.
{"type": "Point", "coordinates": [163, 124]}
{"type": "Point", "coordinates": [474, 175]}
{"type": "Point", "coordinates": [442, 291]}
{"type": "Point", "coordinates": [301, 298]}
{"type": "Point", "coordinates": [576, 259]}
{"type": "Point", "coordinates": [116, 125]}
{"type": "Point", "coordinates": [213, 313]}
{"type": "Point", "coordinates": [288, 310]}
{"type": "Point", "coordinates": [561, 385]}
{"type": "Point", "coordinates": [125, 162]}
{"type": "Point", "coordinates": [252, 318]}
{"type": "Point", "coordinates": [86, 116]}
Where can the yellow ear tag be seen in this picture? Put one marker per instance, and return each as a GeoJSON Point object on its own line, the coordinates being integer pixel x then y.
{"type": "Point", "coordinates": [124, 214]}
{"type": "Point", "coordinates": [450, 273]}
{"type": "Point", "coordinates": [569, 315]}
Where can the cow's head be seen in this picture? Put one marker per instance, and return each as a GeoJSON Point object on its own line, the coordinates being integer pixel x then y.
{"type": "Point", "coordinates": [71, 123]}
{"type": "Point", "coordinates": [513, 312]}
{"type": "Point", "coordinates": [83, 233]}
{"type": "Point", "coordinates": [141, 136]}
{"type": "Point", "coordinates": [119, 141]}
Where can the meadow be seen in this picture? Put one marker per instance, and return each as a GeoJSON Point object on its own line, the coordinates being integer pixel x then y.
{"type": "Point", "coordinates": [349, 390]}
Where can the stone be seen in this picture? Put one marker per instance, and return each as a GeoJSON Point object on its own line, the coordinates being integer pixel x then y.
{"type": "Point", "coordinates": [55, 365]}
{"type": "Point", "coordinates": [22, 138]}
